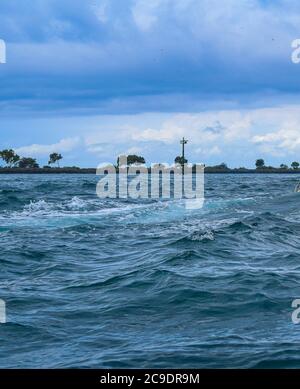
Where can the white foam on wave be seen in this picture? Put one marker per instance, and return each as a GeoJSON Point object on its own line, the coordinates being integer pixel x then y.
{"type": "Point", "coordinates": [76, 207]}
{"type": "Point", "coordinates": [42, 207]}
{"type": "Point", "coordinates": [37, 207]}
{"type": "Point", "coordinates": [79, 210]}
{"type": "Point", "coordinates": [76, 204]}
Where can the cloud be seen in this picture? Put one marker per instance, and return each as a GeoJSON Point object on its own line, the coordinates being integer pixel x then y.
{"type": "Point", "coordinates": [219, 72]}
{"type": "Point", "coordinates": [166, 134]}
{"type": "Point", "coordinates": [281, 142]}
{"type": "Point", "coordinates": [224, 135]}
{"type": "Point", "coordinates": [208, 152]}
{"type": "Point", "coordinates": [137, 55]}
{"type": "Point", "coordinates": [133, 150]}
{"type": "Point", "coordinates": [64, 145]}
{"type": "Point", "coordinates": [204, 127]}
{"type": "Point", "coordinates": [237, 137]}
{"type": "Point", "coordinates": [271, 131]}
{"type": "Point", "coordinates": [145, 13]}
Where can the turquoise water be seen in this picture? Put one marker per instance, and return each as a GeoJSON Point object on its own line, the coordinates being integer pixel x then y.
{"type": "Point", "coordinates": [111, 283]}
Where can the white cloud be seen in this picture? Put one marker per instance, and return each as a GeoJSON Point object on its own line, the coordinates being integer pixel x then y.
{"type": "Point", "coordinates": [285, 140]}
{"type": "Point", "coordinates": [144, 13]}
{"type": "Point", "coordinates": [228, 134]}
{"type": "Point", "coordinates": [204, 127]}
{"type": "Point", "coordinates": [97, 148]}
{"type": "Point", "coordinates": [167, 134]}
{"type": "Point", "coordinates": [233, 136]}
{"type": "Point", "coordinates": [64, 145]}
{"type": "Point", "coordinates": [133, 150]}
{"type": "Point", "coordinates": [208, 152]}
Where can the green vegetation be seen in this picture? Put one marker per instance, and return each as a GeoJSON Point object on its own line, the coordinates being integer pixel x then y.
{"type": "Point", "coordinates": [220, 168]}
{"type": "Point", "coordinates": [295, 165]}
{"type": "Point", "coordinates": [260, 163]}
{"type": "Point", "coordinates": [55, 158]}
{"type": "Point", "coordinates": [13, 160]}
{"type": "Point", "coordinates": [284, 166]}
{"type": "Point", "coordinates": [180, 160]}
{"type": "Point", "coordinates": [28, 163]}
{"type": "Point", "coordinates": [9, 157]}
{"type": "Point", "coordinates": [132, 159]}
{"type": "Point", "coordinates": [14, 164]}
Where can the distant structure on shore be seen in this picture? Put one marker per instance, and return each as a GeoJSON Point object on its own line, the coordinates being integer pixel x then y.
{"type": "Point", "coordinates": [181, 159]}
{"type": "Point", "coordinates": [183, 142]}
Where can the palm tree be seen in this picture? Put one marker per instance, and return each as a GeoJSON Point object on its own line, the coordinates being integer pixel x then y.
{"type": "Point", "coordinates": [55, 157]}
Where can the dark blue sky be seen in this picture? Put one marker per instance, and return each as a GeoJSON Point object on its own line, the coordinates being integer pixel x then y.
{"type": "Point", "coordinates": [95, 78]}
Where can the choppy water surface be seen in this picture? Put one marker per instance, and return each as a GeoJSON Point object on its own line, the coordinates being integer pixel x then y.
{"type": "Point", "coordinates": [115, 283]}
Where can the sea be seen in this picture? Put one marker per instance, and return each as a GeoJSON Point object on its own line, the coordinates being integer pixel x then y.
{"type": "Point", "coordinates": [123, 283]}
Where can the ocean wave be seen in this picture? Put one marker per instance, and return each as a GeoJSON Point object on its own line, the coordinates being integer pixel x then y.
{"type": "Point", "coordinates": [86, 280]}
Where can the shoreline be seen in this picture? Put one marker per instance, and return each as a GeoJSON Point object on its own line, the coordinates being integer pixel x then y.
{"type": "Point", "coordinates": [208, 170]}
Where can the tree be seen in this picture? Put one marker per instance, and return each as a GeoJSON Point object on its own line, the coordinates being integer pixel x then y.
{"type": "Point", "coordinates": [295, 165]}
{"type": "Point", "coordinates": [260, 163]}
{"type": "Point", "coordinates": [223, 166]}
{"type": "Point", "coordinates": [9, 157]}
{"type": "Point", "coordinates": [132, 159]}
{"type": "Point", "coordinates": [284, 166]}
{"type": "Point", "coordinates": [180, 160]}
{"type": "Point", "coordinates": [28, 163]}
{"type": "Point", "coordinates": [55, 157]}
